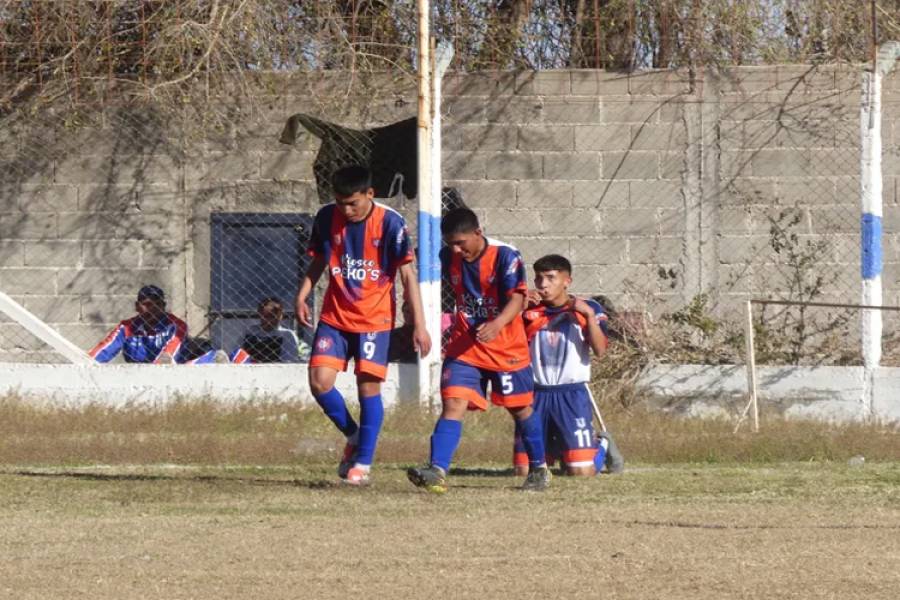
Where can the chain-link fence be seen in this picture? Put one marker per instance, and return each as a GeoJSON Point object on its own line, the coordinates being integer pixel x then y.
{"type": "Point", "coordinates": [679, 197]}
{"type": "Point", "coordinates": [677, 194]}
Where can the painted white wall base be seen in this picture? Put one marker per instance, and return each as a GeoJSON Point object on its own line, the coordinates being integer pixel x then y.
{"type": "Point", "coordinates": [826, 393]}
{"type": "Point", "coordinates": [116, 385]}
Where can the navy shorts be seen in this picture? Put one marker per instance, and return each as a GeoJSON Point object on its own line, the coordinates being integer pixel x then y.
{"type": "Point", "coordinates": [510, 389]}
{"type": "Point", "coordinates": [565, 412]}
{"type": "Point", "coordinates": [335, 347]}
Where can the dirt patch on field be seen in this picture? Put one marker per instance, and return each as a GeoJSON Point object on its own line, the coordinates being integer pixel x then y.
{"type": "Point", "coordinates": [788, 531]}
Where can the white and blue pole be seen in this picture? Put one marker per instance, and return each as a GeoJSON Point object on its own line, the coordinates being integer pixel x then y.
{"type": "Point", "coordinates": [871, 223]}
{"type": "Point", "coordinates": [872, 210]}
{"type": "Point", "coordinates": [429, 196]}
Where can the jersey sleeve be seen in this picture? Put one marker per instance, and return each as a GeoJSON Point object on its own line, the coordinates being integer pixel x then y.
{"type": "Point", "coordinates": [319, 236]}
{"type": "Point", "coordinates": [602, 317]}
{"type": "Point", "coordinates": [110, 346]}
{"type": "Point", "coordinates": [174, 344]}
{"type": "Point", "coordinates": [445, 255]}
{"type": "Point", "coordinates": [399, 246]}
{"type": "Point", "coordinates": [512, 274]}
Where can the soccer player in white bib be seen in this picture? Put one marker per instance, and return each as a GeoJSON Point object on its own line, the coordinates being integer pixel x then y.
{"type": "Point", "coordinates": [562, 331]}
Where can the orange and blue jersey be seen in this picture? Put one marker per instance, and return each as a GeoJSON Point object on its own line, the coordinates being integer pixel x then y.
{"type": "Point", "coordinates": [140, 342]}
{"type": "Point", "coordinates": [362, 259]}
{"type": "Point", "coordinates": [482, 289]}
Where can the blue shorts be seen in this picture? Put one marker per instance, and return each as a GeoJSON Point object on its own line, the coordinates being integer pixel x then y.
{"type": "Point", "coordinates": [565, 411]}
{"type": "Point", "coordinates": [335, 347]}
{"type": "Point", "coordinates": [509, 389]}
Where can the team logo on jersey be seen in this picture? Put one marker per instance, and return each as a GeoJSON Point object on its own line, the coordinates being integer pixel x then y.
{"type": "Point", "coordinates": [376, 242]}
{"type": "Point", "coordinates": [532, 315]}
{"type": "Point", "coordinates": [337, 239]}
{"type": "Point", "coordinates": [323, 344]}
{"type": "Point", "coordinates": [357, 269]}
{"type": "Point", "coordinates": [581, 422]}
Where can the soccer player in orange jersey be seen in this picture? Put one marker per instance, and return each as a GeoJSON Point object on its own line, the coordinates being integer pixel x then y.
{"type": "Point", "coordinates": [363, 245]}
{"type": "Point", "coordinates": [487, 345]}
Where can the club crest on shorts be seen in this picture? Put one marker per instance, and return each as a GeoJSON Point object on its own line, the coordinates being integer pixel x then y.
{"type": "Point", "coordinates": [323, 343]}
{"type": "Point", "coordinates": [581, 422]}
{"type": "Point", "coordinates": [371, 336]}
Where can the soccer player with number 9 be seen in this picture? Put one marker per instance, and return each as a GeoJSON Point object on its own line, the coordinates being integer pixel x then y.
{"type": "Point", "coordinates": [364, 245]}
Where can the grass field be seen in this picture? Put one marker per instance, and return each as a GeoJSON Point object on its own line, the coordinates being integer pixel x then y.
{"type": "Point", "coordinates": [160, 503]}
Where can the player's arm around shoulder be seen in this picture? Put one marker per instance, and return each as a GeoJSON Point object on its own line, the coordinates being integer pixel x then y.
{"type": "Point", "coordinates": [594, 332]}
{"type": "Point", "coordinates": [421, 338]}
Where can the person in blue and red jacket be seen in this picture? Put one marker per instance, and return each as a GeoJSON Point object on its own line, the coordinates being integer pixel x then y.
{"type": "Point", "coordinates": [151, 336]}
{"type": "Point", "coordinates": [364, 246]}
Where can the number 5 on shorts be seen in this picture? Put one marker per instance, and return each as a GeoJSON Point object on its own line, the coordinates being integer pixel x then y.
{"type": "Point", "coordinates": [506, 384]}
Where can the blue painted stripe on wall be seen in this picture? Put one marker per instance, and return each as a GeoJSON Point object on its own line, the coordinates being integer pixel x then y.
{"type": "Point", "coordinates": [871, 246]}
{"type": "Point", "coordinates": [429, 247]}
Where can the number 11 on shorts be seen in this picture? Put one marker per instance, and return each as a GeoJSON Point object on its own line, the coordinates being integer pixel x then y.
{"type": "Point", "coordinates": [584, 438]}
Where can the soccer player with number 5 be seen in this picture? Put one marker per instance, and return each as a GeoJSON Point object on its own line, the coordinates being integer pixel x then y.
{"type": "Point", "coordinates": [487, 345]}
{"type": "Point", "coordinates": [364, 245]}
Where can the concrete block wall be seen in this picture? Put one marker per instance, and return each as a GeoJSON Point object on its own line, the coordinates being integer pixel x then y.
{"type": "Point", "coordinates": [657, 188]}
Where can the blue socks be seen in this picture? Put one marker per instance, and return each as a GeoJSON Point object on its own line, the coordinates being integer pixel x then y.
{"type": "Point", "coordinates": [532, 431]}
{"type": "Point", "coordinates": [332, 402]}
{"type": "Point", "coordinates": [371, 416]}
{"type": "Point", "coordinates": [600, 457]}
{"type": "Point", "coordinates": [444, 441]}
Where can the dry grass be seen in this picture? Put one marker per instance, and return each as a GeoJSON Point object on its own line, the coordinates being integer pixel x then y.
{"type": "Point", "coordinates": [701, 532]}
{"type": "Point", "coordinates": [205, 432]}
{"type": "Point", "coordinates": [209, 526]}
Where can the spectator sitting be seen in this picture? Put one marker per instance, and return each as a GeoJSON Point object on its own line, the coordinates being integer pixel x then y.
{"type": "Point", "coordinates": [267, 341]}
{"type": "Point", "coordinates": [151, 336]}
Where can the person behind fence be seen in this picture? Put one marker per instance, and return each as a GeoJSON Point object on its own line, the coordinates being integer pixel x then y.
{"type": "Point", "coordinates": [151, 336]}
{"type": "Point", "coordinates": [267, 341]}
{"type": "Point", "coordinates": [562, 331]}
{"type": "Point", "coordinates": [487, 345]}
{"type": "Point", "coordinates": [364, 245]}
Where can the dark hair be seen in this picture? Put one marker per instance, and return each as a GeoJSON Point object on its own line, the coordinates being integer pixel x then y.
{"type": "Point", "coordinates": [351, 179]}
{"type": "Point", "coordinates": [459, 220]}
{"type": "Point", "coordinates": [269, 300]}
{"type": "Point", "coordinates": [606, 303]}
{"type": "Point", "coordinates": [151, 292]}
{"type": "Point", "coordinates": [552, 262]}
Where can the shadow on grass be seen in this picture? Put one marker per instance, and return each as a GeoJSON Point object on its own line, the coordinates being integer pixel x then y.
{"type": "Point", "coordinates": [760, 526]}
{"type": "Point", "coordinates": [119, 477]}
